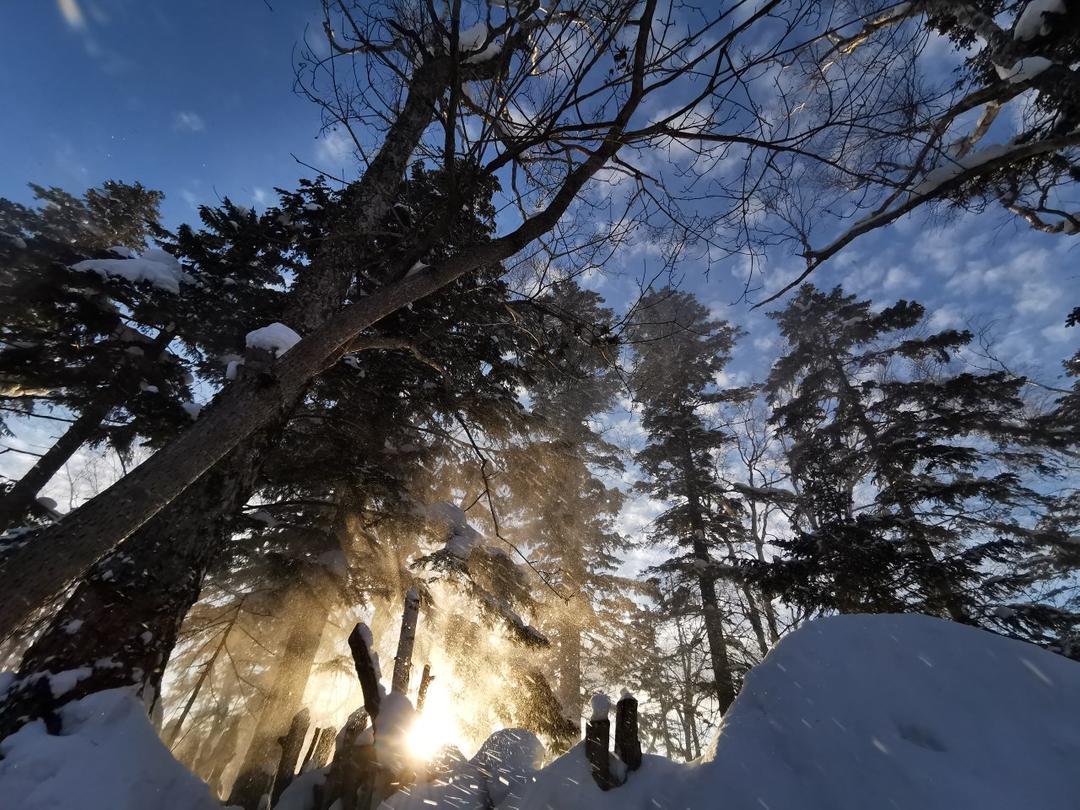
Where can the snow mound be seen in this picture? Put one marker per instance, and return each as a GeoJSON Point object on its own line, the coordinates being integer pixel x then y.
{"type": "Point", "coordinates": [156, 266]}
{"type": "Point", "coordinates": [109, 756]}
{"type": "Point", "coordinates": [856, 712]}
{"type": "Point", "coordinates": [275, 337]}
{"type": "Point", "coordinates": [507, 760]}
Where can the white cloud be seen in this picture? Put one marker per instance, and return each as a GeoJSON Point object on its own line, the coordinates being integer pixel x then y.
{"type": "Point", "coordinates": [900, 279]}
{"type": "Point", "coordinates": [946, 317]}
{"type": "Point", "coordinates": [1059, 333]}
{"type": "Point", "coordinates": [333, 146]}
{"type": "Point", "coordinates": [259, 196]}
{"type": "Point", "coordinates": [188, 121]}
{"type": "Point", "coordinates": [72, 14]}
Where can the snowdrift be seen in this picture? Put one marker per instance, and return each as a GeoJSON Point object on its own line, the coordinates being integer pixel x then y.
{"type": "Point", "coordinates": [848, 713]}
{"type": "Point", "coordinates": [858, 712]}
{"type": "Point", "coordinates": [109, 758]}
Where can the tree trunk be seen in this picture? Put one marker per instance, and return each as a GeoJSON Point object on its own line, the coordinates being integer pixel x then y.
{"type": "Point", "coordinates": [292, 744]}
{"type": "Point", "coordinates": [16, 503]}
{"type": "Point", "coordinates": [287, 690]}
{"type": "Point", "coordinates": [569, 669]}
{"type": "Point", "coordinates": [207, 668]}
{"type": "Point", "coordinates": [35, 572]}
{"type": "Point", "coordinates": [714, 627]}
{"type": "Point", "coordinates": [124, 617]}
{"type": "Point", "coordinates": [249, 405]}
{"type": "Point", "coordinates": [406, 640]}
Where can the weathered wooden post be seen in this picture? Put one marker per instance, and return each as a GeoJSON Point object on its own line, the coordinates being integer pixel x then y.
{"type": "Point", "coordinates": [425, 681]}
{"type": "Point", "coordinates": [291, 746]}
{"type": "Point", "coordinates": [318, 753]}
{"type": "Point", "coordinates": [627, 741]}
{"type": "Point", "coordinates": [597, 738]}
{"type": "Point", "coordinates": [360, 646]}
{"type": "Point", "coordinates": [406, 640]}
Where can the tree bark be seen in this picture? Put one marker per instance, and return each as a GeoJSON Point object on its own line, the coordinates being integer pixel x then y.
{"type": "Point", "coordinates": [406, 640]}
{"type": "Point", "coordinates": [714, 628]}
{"type": "Point", "coordinates": [290, 680]}
{"type": "Point", "coordinates": [292, 744]}
{"type": "Point", "coordinates": [15, 504]}
{"type": "Point", "coordinates": [35, 572]}
{"type": "Point", "coordinates": [124, 617]}
{"type": "Point", "coordinates": [87, 426]}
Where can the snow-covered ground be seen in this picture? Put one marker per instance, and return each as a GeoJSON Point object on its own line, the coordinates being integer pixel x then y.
{"type": "Point", "coordinates": [109, 758]}
{"type": "Point", "coordinates": [857, 712]}
{"type": "Point", "coordinates": [848, 713]}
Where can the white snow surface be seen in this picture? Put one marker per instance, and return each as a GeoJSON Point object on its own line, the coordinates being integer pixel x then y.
{"type": "Point", "coordinates": [275, 337]}
{"type": "Point", "coordinates": [857, 712]}
{"type": "Point", "coordinates": [155, 266]}
{"type": "Point", "coordinates": [1031, 22]}
{"type": "Point", "coordinates": [461, 538]}
{"type": "Point", "coordinates": [847, 713]}
{"type": "Point", "coordinates": [507, 760]}
{"type": "Point", "coordinates": [1024, 70]}
{"type": "Point", "coordinates": [601, 706]}
{"type": "Point", "coordinates": [108, 758]}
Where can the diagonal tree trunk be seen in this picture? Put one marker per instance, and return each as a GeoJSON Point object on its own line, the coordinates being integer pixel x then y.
{"type": "Point", "coordinates": [87, 426]}
{"type": "Point", "coordinates": [34, 573]}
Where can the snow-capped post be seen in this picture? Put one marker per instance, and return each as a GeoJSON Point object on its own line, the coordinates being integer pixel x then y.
{"type": "Point", "coordinates": [292, 743]}
{"type": "Point", "coordinates": [627, 742]}
{"type": "Point", "coordinates": [366, 668]}
{"type": "Point", "coordinates": [403, 659]}
{"type": "Point", "coordinates": [425, 681]}
{"type": "Point", "coordinates": [597, 738]}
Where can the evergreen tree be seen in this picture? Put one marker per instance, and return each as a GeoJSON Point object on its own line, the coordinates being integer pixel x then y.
{"type": "Point", "coordinates": [87, 326]}
{"type": "Point", "coordinates": [678, 350]}
{"type": "Point", "coordinates": [912, 476]}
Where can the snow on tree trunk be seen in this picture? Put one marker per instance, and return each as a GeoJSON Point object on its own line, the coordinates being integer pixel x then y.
{"type": "Point", "coordinates": [406, 640]}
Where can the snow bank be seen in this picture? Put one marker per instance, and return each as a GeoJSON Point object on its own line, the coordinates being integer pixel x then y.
{"type": "Point", "coordinates": [275, 337]}
{"type": "Point", "coordinates": [856, 712]}
{"type": "Point", "coordinates": [109, 756]}
{"type": "Point", "coordinates": [159, 268]}
{"type": "Point", "coordinates": [508, 760]}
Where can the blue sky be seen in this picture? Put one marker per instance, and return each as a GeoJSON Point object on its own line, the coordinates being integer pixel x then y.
{"type": "Point", "coordinates": [196, 99]}
{"type": "Point", "coordinates": [192, 98]}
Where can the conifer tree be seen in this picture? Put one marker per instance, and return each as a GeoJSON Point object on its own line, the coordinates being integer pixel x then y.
{"type": "Point", "coordinates": [678, 350]}
{"type": "Point", "coordinates": [87, 327]}
{"type": "Point", "coordinates": [913, 476]}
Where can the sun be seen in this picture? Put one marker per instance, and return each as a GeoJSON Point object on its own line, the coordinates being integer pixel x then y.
{"type": "Point", "coordinates": [434, 727]}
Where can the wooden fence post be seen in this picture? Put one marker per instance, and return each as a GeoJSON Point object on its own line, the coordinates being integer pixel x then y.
{"type": "Point", "coordinates": [597, 738]}
{"type": "Point", "coordinates": [627, 741]}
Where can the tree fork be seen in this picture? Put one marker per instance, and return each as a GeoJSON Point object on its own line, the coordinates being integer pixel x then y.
{"type": "Point", "coordinates": [36, 572]}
